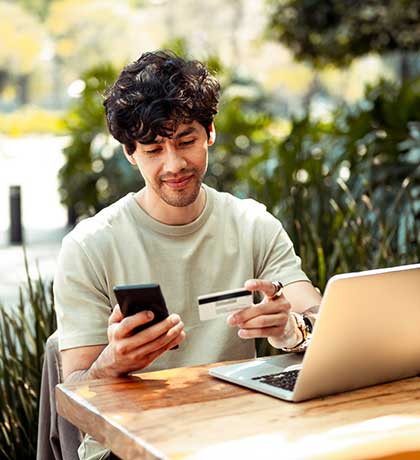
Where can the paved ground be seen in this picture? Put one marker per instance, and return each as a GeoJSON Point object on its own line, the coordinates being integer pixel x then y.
{"type": "Point", "coordinates": [33, 163]}
{"type": "Point", "coordinates": [42, 249]}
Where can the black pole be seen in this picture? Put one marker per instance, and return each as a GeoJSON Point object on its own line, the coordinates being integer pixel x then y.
{"type": "Point", "coordinates": [71, 216]}
{"type": "Point", "coordinates": [16, 234]}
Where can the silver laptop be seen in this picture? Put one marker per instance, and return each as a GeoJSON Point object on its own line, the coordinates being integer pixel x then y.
{"type": "Point", "coordinates": [368, 332]}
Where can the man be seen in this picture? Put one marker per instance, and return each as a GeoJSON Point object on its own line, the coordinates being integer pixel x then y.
{"type": "Point", "coordinates": [177, 232]}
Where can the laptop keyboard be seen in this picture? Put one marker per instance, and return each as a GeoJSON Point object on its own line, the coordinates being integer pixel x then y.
{"type": "Point", "coordinates": [285, 379]}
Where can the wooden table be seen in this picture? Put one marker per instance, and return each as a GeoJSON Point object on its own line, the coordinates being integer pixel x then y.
{"type": "Point", "coordinates": [184, 413]}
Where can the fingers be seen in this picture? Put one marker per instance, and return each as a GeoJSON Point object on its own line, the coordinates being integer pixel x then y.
{"type": "Point", "coordinates": [116, 315]}
{"type": "Point", "coordinates": [124, 327]}
{"type": "Point", "coordinates": [261, 332]}
{"type": "Point", "coordinates": [164, 343]}
{"type": "Point", "coordinates": [267, 319]}
{"type": "Point", "coordinates": [278, 305]}
{"type": "Point", "coordinates": [141, 356]}
{"type": "Point", "coordinates": [148, 359]}
{"type": "Point", "coordinates": [267, 287]}
{"type": "Point", "coordinates": [127, 352]}
{"type": "Point", "coordinates": [149, 339]}
{"type": "Point", "coordinates": [157, 330]}
{"type": "Point", "coordinates": [127, 324]}
{"type": "Point", "coordinates": [279, 319]}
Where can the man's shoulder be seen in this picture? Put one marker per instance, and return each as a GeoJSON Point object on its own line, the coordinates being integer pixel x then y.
{"type": "Point", "coordinates": [102, 225]}
{"type": "Point", "coordinates": [246, 213]}
{"type": "Point", "coordinates": [239, 206]}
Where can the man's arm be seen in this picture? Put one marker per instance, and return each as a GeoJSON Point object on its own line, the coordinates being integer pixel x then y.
{"type": "Point", "coordinates": [125, 352]}
{"type": "Point", "coordinates": [302, 296]}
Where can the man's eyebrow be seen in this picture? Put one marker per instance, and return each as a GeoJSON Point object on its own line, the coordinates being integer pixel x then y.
{"type": "Point", "coordinates": [153, 142]}
{"type": "Point", "coordinates": [186, 131]}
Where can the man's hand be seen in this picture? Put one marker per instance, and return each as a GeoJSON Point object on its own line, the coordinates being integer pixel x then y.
{"type": "Point", "coordinates": [271, 318]}
{"type": "Point", "coordinates": [126, 352]}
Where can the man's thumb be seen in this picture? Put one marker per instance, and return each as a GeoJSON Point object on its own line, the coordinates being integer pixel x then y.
{"type": "Point", "coordinates": [116, 315]}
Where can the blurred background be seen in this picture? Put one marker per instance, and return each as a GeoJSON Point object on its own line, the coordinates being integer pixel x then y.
{"type": "Point", "coordinates": [319, 119]}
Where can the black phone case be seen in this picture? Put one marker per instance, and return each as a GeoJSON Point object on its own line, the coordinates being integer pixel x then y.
{"type": "Point", "coordinates": [139, 297]}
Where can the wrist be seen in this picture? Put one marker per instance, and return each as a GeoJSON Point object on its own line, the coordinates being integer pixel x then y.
{"type": "Point", "coordinates": [290, 336]}
{"type": "Point", "coordinates": [104, 366]}
{"type": "Point", "coordinates": [305, 328]}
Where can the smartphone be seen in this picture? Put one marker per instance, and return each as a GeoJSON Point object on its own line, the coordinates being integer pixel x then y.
{"type": "Point", "coordinates": [139, 297]}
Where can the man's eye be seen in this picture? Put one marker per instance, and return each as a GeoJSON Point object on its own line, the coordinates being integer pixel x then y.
{"type": "Point", "coordinates": [183, 143]}
{"type": "Point", "coordinates": [151, 152]}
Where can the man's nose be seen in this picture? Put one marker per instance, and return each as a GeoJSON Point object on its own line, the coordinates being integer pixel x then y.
{"type": "Point", "coordinates": [175, 162]}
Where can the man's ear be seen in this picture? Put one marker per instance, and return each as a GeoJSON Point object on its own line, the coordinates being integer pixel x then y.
{"type": "Point", "coordinates": [212, 135]}
{"type": "Point", "coordinates": [128, 156]}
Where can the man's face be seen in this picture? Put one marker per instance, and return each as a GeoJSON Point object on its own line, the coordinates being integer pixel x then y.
{"type": "Point", "coordinates": [174, 168]}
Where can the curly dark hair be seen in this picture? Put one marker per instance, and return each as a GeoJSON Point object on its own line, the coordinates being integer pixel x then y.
{"type": "Point", "coordinates": [155, 94]}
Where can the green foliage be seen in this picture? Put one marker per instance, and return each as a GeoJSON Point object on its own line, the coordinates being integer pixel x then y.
{"type": "Point", "coordinates": [336, 32]}
{"type": "Point", "coordinates": [378, 129]}
{"type": "Point", "coordinates": [22, 37]}
{"type": "Point", "coordinates": [29, 120]}
{"type": "Point", "coordinates": [242, 132]}
{"type": "Point", "coordinates": [178, 45]}
{"type": "Point", "coordinates": [23, 334]}
{"type": "Point", "coordinates": [348, 191]}
{"type": "Point", "coordinates": [96, 172]}
{"type": "Point", "coordinates": [37, 7]}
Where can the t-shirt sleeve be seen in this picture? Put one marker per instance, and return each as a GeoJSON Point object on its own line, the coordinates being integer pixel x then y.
{"type": "Point", "coordinates": [81, 301]}
{"type": "Point", "coordinates": [278, 260]}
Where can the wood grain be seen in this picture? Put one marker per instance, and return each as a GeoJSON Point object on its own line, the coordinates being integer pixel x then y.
{"type": "Point", "coordinates": [178, 413]}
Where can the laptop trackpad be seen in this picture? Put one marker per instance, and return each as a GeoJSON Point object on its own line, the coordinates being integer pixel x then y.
{"type": "Point", "coordinates": [276, 364]}
{"type": "Point", "coordinates": [262, 366]}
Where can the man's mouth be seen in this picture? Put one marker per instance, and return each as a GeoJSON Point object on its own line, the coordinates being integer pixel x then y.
{"type": "Point", "coordinates": [179, 182]}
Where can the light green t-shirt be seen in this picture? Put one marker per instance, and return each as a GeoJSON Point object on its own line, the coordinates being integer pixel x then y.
{"type": "Point", "coordinates": [231, 241]}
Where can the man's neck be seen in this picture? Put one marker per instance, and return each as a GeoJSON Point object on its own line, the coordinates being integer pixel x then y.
{"type": "Point", "coordinates": [167, 214]}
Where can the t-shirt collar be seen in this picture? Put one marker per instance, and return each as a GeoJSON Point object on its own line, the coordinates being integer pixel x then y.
{"type": "Point", "coordinates": [144, 219]}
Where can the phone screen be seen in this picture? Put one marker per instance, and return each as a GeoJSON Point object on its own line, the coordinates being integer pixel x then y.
{"type": "Point", "coordinates": [139, 297]}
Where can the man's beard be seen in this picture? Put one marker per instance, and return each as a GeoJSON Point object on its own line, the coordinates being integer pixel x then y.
{"type": "Point", "coordinates": [181, 198]}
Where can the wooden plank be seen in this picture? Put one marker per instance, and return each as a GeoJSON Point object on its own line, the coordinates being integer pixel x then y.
{"type": "Point", "coordinates": [179, 412]}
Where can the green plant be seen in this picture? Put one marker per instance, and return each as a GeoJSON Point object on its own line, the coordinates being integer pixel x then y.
{"type": "Point", "coordinates": [353, 234]}
{"type": "Point", "coordinates": [96, 172]}
{"type": "Point", "coordinates": [348, 190]}
{"type": "Point", "coordinates": [332, 33]}
{"type": "Point", "coordinates": [378, 136]}
{"type": "Point", "coordinates": [242, 132]}
{"type": "Point", "coordinates": [23, 334]}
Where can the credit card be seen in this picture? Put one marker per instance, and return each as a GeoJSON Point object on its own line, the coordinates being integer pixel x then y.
{"type": "Point", "coordinates": [212, 306]}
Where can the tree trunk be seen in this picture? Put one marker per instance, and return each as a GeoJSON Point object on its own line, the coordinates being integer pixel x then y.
{"type": "Point", "coordinates": [405, 68]}
{"type": "Point", "coordinates": [23, 89]}
{"type": "Point", "coordinates": [71, 216]}
{"type": "Point", "coordinates": [313, 89]}
{"type": "Point", "coordinates": [3, 79]}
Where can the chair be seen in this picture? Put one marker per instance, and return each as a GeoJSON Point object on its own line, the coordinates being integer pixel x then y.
{"type": "Point", "coordinates": [58, 439]}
